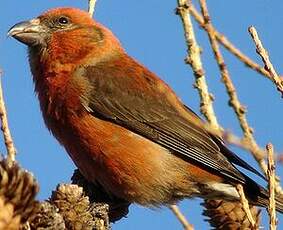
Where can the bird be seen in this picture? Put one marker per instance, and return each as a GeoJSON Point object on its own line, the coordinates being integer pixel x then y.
{"type": "Point", "coordinates": [124, 127]}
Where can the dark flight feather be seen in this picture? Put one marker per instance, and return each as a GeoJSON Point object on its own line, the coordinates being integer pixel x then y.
{"type": "Point", "coordinates": [147, 111]}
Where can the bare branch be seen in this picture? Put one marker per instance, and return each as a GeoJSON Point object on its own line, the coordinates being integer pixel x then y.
{"type": "Point", "coordinates": [11, 150]}
{"type": "Point", "coordinates": [245, 205]}
{"type": "Point", "coordinates": [234, 102]}
{"type": "Point", "coordinates": [91, 6]}
{"type": "Point", "coordinates": [230, 46]}
{"type": "Point", "coordinates": [194, 60]}
{"type": "Point", "coordinates": [265, 58]}
{"type": "Point", "coordinates": [181, 217]}
{"type": "Point", "coordinates": [271, 187]}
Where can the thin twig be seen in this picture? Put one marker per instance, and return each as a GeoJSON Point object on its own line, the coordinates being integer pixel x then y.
{"type": "Point", "coordinates": [271, 187]}
{"type": "Point", "coordinates": [91, 6]}
{"type": "Point", "coordinates": [274, 77]}
{"type": "Point", "coordinates": [181, 217]}
{"type": "Point", "coordinates": [248, 139]}
{"type": "Point", "coordinates": [243, 143]}
{"type": "Point", "coordinates": [194, 60]}
{"type": "Point", "coordinates": [230, 46]}
{"type": "Point", "coordinates": [234, 102]}
{"type": "Point", "coordinates": [11, 150]}
{"type": "Point", "coordinates": [265, 58]}
{"type": "Point", "coordinates": [232, 139]}
{"type": "Point", "coordinates": [245, 205]}
{"type": "Point", "coordinates": [184, 7]}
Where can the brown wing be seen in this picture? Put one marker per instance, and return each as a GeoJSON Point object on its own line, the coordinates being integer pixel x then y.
{"type": "Point", "coordinates": [127, 94]}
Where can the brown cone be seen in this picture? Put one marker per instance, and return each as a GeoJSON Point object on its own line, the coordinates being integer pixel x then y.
{"type": "Point", "coordinates": [8, 219]}
{"type": "Point", "coordinates": [17, 188]}
{"type": "Point", "coordinates": [118, 208]}
{"type": "Point", "coordinates": [76, 210]}
{"type": "Point", "coordinates": [224, 215]}
{"type": "Point", "coordinates": [46, 217]}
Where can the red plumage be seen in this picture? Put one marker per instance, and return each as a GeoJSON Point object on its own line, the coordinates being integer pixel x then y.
{"type": "Point", "coordinates": [122, 125]}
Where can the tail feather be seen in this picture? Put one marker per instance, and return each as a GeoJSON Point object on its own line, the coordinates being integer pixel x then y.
{"type": "Point", "coordinates": [259, 196]}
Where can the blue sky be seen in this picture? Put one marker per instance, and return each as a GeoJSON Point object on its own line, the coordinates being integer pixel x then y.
{"type": "Point", "coordinates": [152, 33]}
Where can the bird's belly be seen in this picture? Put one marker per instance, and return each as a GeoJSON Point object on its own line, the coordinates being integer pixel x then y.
{"type": "Point", "coordinates": [124, 163]}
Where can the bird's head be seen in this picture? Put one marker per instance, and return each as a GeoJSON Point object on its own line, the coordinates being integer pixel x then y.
{"type": "Point", "coordinates": [65, 33]}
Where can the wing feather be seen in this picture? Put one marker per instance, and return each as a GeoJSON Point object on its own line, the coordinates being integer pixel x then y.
{"type": "Point", "coordinates": [140, 106]}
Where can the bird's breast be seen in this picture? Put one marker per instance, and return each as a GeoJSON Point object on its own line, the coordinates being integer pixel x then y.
{"type": "Point", "coordinates": [124, 163]}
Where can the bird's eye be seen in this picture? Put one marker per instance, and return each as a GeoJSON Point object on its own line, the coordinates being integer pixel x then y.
{"type": "Point", "coordinates": [63, 20]}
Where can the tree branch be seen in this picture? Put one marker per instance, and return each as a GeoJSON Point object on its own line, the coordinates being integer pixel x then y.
{"type": "Point", "coordinates": [194, 60]}
{"type": "Point", "coordinates": [91, 6]}
{"type": "Point", "coordinates": [265, 58]}
{"type": "Point", "coordinates": [271, 187]}
{"type": "Point", "coordinates": [230, 46]}
{"type": "Point", "coordinates": [181, 217]}
{"type": "Point", "coordinates": [245, 205]}
{"type": "Point", "coordinates": [11, 150]}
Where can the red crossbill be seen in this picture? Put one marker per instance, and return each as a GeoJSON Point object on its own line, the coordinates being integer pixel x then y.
{"type": "Point", "coordinates": [122, 125]}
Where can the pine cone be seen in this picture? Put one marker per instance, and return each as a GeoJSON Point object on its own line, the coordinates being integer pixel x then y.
{"type": "Point", "coordinates": [75, 208]}
{"type": "Point", "coordinates": [18, 188]}
{"type": "Point", "coordinates": [229, 215]}
{"type": "Point", "coordinates": [118, 208]}
{"type": "Point", "coordinates": [46, 217]}
{"type": "Point", "coordinates": [100, 213]}
{"type": "Point", "coordinates": [8, 219]}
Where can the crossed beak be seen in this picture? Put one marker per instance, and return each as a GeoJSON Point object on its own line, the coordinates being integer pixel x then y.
{"type": "Point", "coordinates": [28, 32]}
